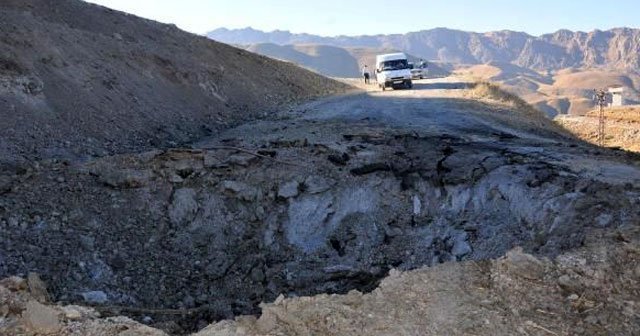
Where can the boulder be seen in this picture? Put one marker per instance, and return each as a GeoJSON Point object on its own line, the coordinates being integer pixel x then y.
{"type": "Point", "coordinates": [211, 160]}
{"type": "Point", "coordinates": [317, 184]}
{"type": "Point", "coordinates": [41, 319]}
{"type": "Point", "coordinates": [185, 168]}
{"type": "Point", "coordinates": [37, 288]}
{"type": "Point", "coordinates": [183, 207]}
{"type": "Point", "coordinates": [95, 297]}
{"type": "Point", "coordinates": [289, 189]}
{"type": "Point", "coordinates": [72, 313]}
{"type": "Point", "coordinates": [243, 160]}
{"type": "Point", "coordinates": [240, 190]}
{"type": "Point", "coordinates": [126, 178]}
{"type": "Point", "coordinates": [461, 246]}
{"type": "Point", "coordinates": [14, 283]}
{"type": "Point", "coordinates": [524, 265]}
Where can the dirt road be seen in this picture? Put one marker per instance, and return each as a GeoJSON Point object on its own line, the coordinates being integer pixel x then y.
{"type": "Point", "coordinates": [433, 108]}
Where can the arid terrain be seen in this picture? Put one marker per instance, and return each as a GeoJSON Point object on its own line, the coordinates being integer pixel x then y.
{"type": "Point", "coordinates": [564, 92]}
{"type": "Point", "coordinates": [556, 73]}
{"type": "Point", "coordinates": [337, 194]}
{"type": "Point", "coordinates": [308, 207]}
{"type": "Point", "coordinates": [79, 81]}
{"type": "Point", "coordinates": [335, 61]}
{"type": "Point", "coordinates": [622, 127]}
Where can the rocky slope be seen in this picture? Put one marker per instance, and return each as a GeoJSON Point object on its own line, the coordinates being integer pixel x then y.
{"type": "Point", "coordinates": [327, 60]}
{"type": "Point", "coordinates": [616, 48]}
{"type": "Point", "coordinates": [79, 80]}
{"type": "Point", "coordinates": [333, 61]}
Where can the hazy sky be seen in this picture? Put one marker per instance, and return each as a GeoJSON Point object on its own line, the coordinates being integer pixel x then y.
{"type": "Point", "coordinates": [348, 17]}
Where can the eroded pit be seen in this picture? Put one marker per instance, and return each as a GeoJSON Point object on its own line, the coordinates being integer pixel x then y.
{"type": "Point", "coordinates": [181, 238]}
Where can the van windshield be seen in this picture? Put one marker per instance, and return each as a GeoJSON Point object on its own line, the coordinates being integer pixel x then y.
{"type": "Point", "coordinates": [394, 65]}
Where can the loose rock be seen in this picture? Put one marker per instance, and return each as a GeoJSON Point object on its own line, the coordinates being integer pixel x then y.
{"type": "Point", "coordinates": [41, 319]}
{"type": "Point", "coordinates": [289, 189]}
{"type": "Point", "coordinates": [126, 178]}
{"type": "Point", "coordinates": [95, 297]}
{"type": "Point", "coordinates": [524, 265]}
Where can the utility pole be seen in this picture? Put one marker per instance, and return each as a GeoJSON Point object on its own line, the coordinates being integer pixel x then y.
{"type": "Point", "coordinates": [601, 97]}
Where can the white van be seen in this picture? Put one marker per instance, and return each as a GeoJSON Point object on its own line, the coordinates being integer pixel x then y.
{"type": "Point", "coordinates": [419, 70]}
{"type": "Point", "coordinates": [392, 70]}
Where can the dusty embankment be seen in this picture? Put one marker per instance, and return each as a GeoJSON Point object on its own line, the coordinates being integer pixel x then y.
{"type": "Point", "coordinates": [79, 81]}
{"type": "Point", "coordinates": [329, 197]}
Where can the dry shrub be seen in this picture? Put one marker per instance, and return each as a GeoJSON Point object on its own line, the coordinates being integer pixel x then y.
{"type": "Point", "coordinates": [520, 113]}
{"type": "Point", "coordinates": [486, 90]}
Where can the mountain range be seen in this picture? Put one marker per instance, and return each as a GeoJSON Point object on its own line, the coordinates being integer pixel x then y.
{"type": "Point", "coordinates": [616, 48]}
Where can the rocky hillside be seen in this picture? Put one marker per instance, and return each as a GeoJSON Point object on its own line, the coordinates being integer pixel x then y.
{"type": "Point", "coordinates": [567, 91]}
{"type": "Point", "coordinates": [79, 80]}
{"type": "Point", "coordinates": [619, 48]}
{"type": "Point", "coordinates": [333, 61]}
{"type": "Point", "coordinates": [327, 60]}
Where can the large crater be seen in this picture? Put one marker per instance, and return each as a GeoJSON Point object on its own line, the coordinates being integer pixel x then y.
{"type": "Point", "coordinates": [185, 237]}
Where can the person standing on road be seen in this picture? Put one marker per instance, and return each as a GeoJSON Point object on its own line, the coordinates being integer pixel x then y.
{"type": "Point", "coordinates": [365, 73]}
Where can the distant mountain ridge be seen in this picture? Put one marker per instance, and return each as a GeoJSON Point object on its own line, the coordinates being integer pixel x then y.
{"type": "Point", "coordinates": [617, 48]}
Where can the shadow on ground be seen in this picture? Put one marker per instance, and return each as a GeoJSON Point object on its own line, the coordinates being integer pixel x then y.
{"type": "Point", "coordinates": [442, 86]}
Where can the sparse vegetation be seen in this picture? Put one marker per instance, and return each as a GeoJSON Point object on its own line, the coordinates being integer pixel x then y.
{"type": "Point", "coordinates": [493, 91]}
{"type": "Point", "coordinates": [521, 114]}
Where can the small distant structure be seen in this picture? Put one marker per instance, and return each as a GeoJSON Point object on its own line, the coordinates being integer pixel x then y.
{"type": "Point", "coordinates": [601, 97]}
{"type": "Point", "coordinates": [617, 98]}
